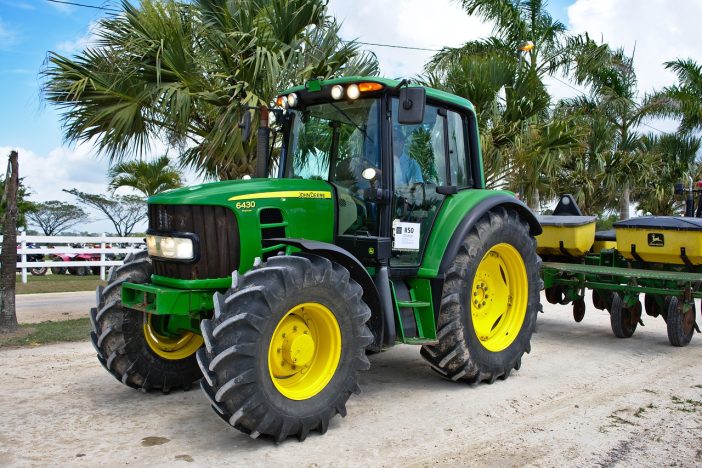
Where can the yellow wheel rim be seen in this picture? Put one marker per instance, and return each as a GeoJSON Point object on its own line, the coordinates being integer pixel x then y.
{"type": "Point", "coordinates": [305, 351]}
{"type": "Point", "coordinates": [499, 297]}
{"type": "Point", "coordinates": [173, 349]}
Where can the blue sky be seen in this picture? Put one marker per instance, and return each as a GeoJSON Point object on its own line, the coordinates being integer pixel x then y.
{"type": "Point", "coordinates": [30, 28]}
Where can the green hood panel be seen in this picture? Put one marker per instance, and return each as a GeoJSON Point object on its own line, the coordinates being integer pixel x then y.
{"type": "Point", "coordinates": [305, 206]}
{"type": "Point", "coordinates": [219, 193]}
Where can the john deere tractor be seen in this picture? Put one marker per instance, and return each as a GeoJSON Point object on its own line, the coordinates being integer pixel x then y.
{"type": "Point", "coordinates": [367, 224]}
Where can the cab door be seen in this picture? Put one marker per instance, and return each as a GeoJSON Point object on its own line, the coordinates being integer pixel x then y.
{"type": "Point", "coordinates": [418, 171]}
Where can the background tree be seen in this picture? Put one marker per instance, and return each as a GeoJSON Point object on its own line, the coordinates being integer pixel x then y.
{"type": "Point", "coordinates": [685, 97]}
{"type": "Point", "coordinates": [124, 212]}
{"type": "Point", "coordinates": [523, 141]}
{"type": "Point", "coordinates": [8, 257]}
{"type": "Point", "coordinates": [678, 160]}
{"type": "Point", "coordinates": [54, 216]}
{"type": "Point", "coordinates": [24, 206]}
{"type": "Point", "coordinates": [187, 71]}
{"type": "Point", "coordinates": [616, 158]}
{"type": "Point", "coordinates": [148, 177]}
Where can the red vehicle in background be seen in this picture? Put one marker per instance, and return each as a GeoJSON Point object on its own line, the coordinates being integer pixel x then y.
{"type": "Point", "coordinates": [76, 270]}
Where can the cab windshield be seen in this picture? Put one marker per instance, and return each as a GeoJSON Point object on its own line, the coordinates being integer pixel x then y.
{"type": "Point", "coordinates": [336, 141]}
{"type": "Point", "coordinates": [331, 141]}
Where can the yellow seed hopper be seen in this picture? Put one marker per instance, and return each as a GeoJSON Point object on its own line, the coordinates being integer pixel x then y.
{"type": "Point", "coordinates": [566, 235]}
{"type": "Point", "coordinates": [661, 239]}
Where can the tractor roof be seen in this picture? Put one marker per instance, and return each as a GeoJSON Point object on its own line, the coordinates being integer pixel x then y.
{"type": "Point", "coordinates": [432, 93]}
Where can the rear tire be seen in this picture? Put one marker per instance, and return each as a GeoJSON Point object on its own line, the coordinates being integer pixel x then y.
{"type": "Point", "coordinates": [79, 271]}
{"type": "Point", "coordinates": [484, 341]}
{"type": "Point", "coordinates": [623, 320]}
{"type": "Point", "coordinates": [252, 375]}
{"type": "Point", "coordinates": [681, 325]}
{"type": "Point", "coordinates": [119, 336]}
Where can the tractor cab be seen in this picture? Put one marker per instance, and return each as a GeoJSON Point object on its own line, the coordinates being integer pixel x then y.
{"type": "Point", "coordinates": [390, 152]}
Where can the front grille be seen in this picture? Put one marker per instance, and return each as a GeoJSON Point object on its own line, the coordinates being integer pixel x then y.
{"type": "Point", "coordinates": [217, 231]}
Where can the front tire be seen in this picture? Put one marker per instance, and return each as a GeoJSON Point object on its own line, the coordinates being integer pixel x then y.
{"type": "Point", "coordinates": [489, 302]}
{"type": "Point", "coordinates": [128, 342]}
{"type": "Point", "coordinates": [285, 346]}
{"type": "Point", "coordinates": [38, 271]}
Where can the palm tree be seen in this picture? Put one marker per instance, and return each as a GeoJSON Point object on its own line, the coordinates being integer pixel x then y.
{"type": "Point", "coordinates": [186, 72]}
{"type": "Point", "coordinates": [686, 96]}
{"type": "Point", "coordinates": [148, 177]}
{"type": "Point", "coordinates": [677, 153]}
{"type": "Point", "coordinates": [522, 140]}
{"type": "Point", "coordinates": [613, 113]}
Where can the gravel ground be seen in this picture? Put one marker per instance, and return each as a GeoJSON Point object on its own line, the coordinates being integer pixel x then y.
{"type": "Point", "coordinates": [581, 398]}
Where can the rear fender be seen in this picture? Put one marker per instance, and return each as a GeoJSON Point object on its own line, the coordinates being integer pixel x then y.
{"type": "Point", "coordinates": [478, 211]}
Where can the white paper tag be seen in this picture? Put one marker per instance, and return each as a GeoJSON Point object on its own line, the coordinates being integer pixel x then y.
{"type": "Point", "coordinates": [405, 235]}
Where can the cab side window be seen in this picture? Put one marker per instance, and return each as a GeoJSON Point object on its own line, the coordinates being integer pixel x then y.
{"type": "Point", "coordinates": [460, 170]}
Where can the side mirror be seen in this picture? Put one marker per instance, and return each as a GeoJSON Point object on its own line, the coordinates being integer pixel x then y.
{"type": "Point", "coordinates": [412, 104]}
{"type": "Point", "coordinates": [245, 125]}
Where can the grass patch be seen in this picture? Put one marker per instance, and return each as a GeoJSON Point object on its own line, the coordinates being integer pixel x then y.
{"type": "Point", "coordinates": [34, 334]}
{"type": "Point", "coordinates": [687, 406]}
{"type": "Point", "coordinates": [57, 283]}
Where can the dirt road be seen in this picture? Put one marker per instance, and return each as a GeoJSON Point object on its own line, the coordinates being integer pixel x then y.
{"type": "Point", "coordinates": [33, 308]}
{"type": "Point", "coordinates": [582, 397]}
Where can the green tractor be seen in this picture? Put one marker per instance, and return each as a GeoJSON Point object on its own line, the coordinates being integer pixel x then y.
{"type": "Point", "coordinates": [368, 224]}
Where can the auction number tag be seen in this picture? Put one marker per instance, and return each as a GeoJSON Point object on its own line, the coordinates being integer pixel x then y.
{"type": "Point", "coordinates": [405, 236]}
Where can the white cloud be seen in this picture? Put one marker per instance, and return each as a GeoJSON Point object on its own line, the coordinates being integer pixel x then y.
{"type": "Point", "coordinates": [657, 30]}
{"type": "Point", "coordinates": [86, 40]}
{"type": "Point", "coordinates": [410, 23]}
{"type": "Point", "coordinates": [63, 168]}
{"type": "Point", "coordinates": [80, 167]}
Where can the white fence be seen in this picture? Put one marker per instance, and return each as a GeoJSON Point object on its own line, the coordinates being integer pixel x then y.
{"type": "Point", "coordinates": [62, 245]}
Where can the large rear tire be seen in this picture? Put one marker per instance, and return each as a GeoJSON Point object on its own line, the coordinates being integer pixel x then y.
{"type": "Point", "coordinates": [128, 342]}
{"type": "Point", "coordinates": [489, 302]}
{"type": "Point", "coordinates": [284, 347]}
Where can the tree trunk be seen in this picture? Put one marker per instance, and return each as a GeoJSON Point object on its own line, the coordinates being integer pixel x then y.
{"type": "Point", "coordinates": [624, 202]}
{"type": "Point", "coordinates": [8, 257]}
{"type": "Point", "coordinates": [535, 201]}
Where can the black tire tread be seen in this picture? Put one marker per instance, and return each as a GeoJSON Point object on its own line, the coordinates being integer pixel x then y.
{"type": "Point", "coordinates": [452, 357]}
{"type": "Point", "coordinates": [121, 348]}
{"type": "Point", "coordinates": [228, 361]}
{"type": "Point", "coordinates": [675, 324]}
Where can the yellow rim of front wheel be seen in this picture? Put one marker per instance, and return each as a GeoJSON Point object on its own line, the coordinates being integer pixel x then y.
{"type": "Point", "coordinates": [172, 349]}
{"type": "Point", "coordinates": [499, 297]}
{"type": "Point", "coordinates": [305, 350]}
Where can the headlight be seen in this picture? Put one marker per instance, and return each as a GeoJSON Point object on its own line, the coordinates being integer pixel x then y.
{"type": "Point", "coordinates": [177, 248]}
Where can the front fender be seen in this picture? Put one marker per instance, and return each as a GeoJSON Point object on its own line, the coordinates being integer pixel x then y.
{"type": "Point", "coordinates": [358, 272]}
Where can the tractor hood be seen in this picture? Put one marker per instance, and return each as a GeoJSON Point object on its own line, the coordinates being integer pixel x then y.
{"type": "Point", "coordinates": [227, 193]}
{"type": "Point", "coordinates": [232, 221]}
